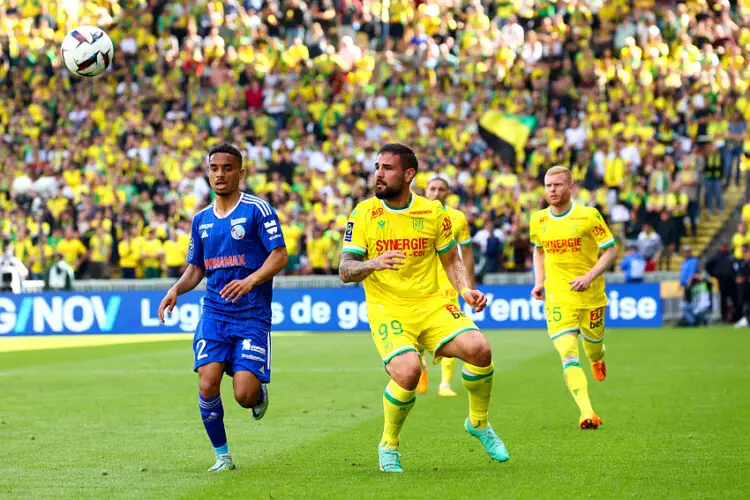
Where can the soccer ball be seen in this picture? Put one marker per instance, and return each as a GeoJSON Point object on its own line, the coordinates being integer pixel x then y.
{"type": "Point", "coordinates": [87, 51]}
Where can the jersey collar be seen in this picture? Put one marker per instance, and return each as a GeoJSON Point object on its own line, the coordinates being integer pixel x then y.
{"type": "Point", "coordinates": [228, 213]}
{"type": "Point", "coordinates": [399, 210]}
{"type": "Point", "coordinates": [562, 215]}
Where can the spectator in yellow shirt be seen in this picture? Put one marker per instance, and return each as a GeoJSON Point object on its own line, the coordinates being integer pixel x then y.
{"type": "Point", "coordinates": [37, 264]}
{"type": "Point", "coordinates": [174, 255]}
{"type": "Point", "coordinates": [73, 250]}
{"type": "Point", "coordinates": [292, 234]}
{"type": "Point", "coordinates": [152, 254]}
{"type": "Point", "coordinates": [100, 246]}
{"type": "Point", "coordinates": [318, 248]}
{"type": "Point", "coordinates": [129, 254]}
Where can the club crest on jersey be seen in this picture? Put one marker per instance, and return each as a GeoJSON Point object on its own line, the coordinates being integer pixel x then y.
{"type": "Point", "coordinates": [417, 224]}
{"type": "Point", "coordinates": [238, 232]}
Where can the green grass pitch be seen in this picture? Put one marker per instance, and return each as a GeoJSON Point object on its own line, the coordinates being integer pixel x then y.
{"type": "Point", "coordinates": [122, 421]}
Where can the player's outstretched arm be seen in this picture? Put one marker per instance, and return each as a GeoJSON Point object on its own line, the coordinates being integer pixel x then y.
{"type": "Point", "coordinates": [606, 260]}
{"type": "Point", "coordinates": [538, 291]}
{"type": "Point", "coordinates": [354, 268]}
{"type": "Point", "coordinates": [273, 265]}
{"type": "Point", "coordinates": [459, 278]}
{"type": "Point", "coordinates": [190, 278]}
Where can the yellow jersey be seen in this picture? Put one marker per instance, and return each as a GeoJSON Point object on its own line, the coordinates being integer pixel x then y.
{"type": "Point", "coordinates": [317, 252]}
{"type": "Point", "coordinates": [571, 243]}
{"type": "Point", "coordinates": [151, 251]}
{"type": "Point", "coordinates": [174, 253]}
{"type": "Point", "coordinates": [100, 247]}
{"type": "Point", "coordinates": [422, 230]}
{"type": "Point", "coordinates": [71, 250]}
{"type": "Point", "coordinates": [463, 238]}
{"type": "Point", "coordinates": [129, 254]}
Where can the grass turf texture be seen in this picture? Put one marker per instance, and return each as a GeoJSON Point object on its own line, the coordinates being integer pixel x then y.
{"type": "Point", "coordinates": [122, 421]}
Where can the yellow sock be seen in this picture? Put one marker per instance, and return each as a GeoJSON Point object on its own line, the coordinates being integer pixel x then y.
{"type": "Point", "coordinates": [478, 383]}
{"type": "Point", "coordinates": [575, 378]}
{"type": "Point", "coordinates": [447, 367]}
{"type": "Point", "coordinates": [594, 348]}
{"type": "Point", "coordinates": [397, 402]}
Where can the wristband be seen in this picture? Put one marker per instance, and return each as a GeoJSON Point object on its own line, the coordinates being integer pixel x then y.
{"type": "Point", "coordinates": [464, 290]}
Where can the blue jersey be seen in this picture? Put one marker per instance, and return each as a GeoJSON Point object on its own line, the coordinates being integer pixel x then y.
{"type": "Point", "coordinates": [231, 248]}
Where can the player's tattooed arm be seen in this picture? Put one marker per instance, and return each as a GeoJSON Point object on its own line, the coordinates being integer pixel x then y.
{"type": "Point", "coordinates": [459, 278]}
{"type": "Point", "coordinates": [354, 268]}
{"type": "Point", "coordinates": [455, 269]}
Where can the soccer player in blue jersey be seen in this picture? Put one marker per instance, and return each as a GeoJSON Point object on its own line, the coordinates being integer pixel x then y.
{"type": "Point", "coordinates": [236, 242]}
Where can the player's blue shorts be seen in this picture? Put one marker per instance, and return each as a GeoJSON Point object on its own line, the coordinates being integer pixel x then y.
{"type": "Point", "coordinates": [239, 347]}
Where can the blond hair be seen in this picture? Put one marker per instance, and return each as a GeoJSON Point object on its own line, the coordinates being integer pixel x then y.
{"type": "Point", "coordinates": [560, 170]}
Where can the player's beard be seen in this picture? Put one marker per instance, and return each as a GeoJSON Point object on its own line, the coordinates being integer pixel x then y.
{"type": "Point", "coordinates": [386, 192]}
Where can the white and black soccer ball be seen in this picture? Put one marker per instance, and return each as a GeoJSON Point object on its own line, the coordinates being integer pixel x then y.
{"type": "Point", "coordinates": [87, 51]}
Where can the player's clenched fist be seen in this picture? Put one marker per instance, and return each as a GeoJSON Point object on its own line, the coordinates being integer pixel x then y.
{"type": "Point", "coordinates": [389, 260]}
{"type": "Point", "coordinates": [475, 299]}
{"type": "Point", "coordinates": [537, 292]}
{"type": "Point", "coordinates": [167, 304]}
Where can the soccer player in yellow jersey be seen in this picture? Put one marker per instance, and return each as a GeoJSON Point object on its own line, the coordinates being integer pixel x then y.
{"type": "Point", "coordinates": [438, 188]}
{"type": "Point", "coordinates": [572, 248]}
{"type": "Point", "coordinates": [395, 243]}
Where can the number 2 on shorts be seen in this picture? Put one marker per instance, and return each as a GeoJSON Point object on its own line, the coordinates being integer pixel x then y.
{"type": "Point", "coordinates": [201, 345]}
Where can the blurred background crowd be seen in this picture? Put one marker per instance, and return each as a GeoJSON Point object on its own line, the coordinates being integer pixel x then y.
{"type": "Point", "coordinates": [646, 101]}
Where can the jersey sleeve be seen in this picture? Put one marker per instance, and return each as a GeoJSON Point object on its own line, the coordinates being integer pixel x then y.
{"type": "Point", "coordinates": [355, 237]}
{"type": "Point", "coordinates": [195, 249]}
{"type": "Point", "coordinates": [463, 236]}
{"type": "Point", "coordinates": [444, 239]}
{"type": "Point", "coordinates": [600, 232]}
{"type": "Point", "coordinates": [534, 231]}
{"type": "Point", "coordinates": [268, 228]}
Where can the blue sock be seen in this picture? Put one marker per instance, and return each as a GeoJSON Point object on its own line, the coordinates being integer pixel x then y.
{"type": "Point", "coordinates": [212, 413]}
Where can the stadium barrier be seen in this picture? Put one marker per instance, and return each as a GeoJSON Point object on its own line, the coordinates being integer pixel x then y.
{"type": "Point", "coordinates": [293, 309]}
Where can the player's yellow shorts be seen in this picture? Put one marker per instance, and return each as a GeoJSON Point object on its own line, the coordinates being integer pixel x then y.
{"type": "Point", "coordinates": [428, 326]}
{"type": "Point", "coordinates": [562, 320]}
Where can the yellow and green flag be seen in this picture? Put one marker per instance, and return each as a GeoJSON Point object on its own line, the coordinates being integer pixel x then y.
{"type": "Point", "coordinates": [506, 134]}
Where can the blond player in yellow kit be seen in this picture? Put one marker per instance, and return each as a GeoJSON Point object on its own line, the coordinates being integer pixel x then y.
{"type": "Point", "coordinates": [572, 248]}
{"type": "Point", "coordinates": [438, 188]}
{"type": "Point", "coordinates": [394, 243]}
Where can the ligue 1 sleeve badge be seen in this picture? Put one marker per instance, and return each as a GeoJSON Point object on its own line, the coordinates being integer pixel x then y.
{"type": "Point", "coordinates": [238, 232]}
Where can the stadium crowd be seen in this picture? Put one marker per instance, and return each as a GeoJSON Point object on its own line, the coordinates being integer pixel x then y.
{"type": "Point", "coordinates": [645, 101]}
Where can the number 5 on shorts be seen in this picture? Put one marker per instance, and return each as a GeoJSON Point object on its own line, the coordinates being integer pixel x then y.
{"type": "Point", "coordinates": [556, 313]}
